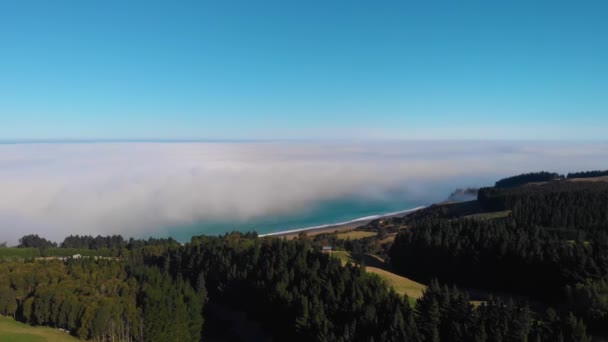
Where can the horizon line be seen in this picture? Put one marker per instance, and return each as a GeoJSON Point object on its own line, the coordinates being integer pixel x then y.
{"type": "Point", "coordinates": [270, 140]}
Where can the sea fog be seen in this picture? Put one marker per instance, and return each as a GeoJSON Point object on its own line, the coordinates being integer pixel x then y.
{"type": "Point", "coordinates": [181, 189]}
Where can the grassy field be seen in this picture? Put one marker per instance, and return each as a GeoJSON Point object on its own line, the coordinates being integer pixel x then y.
{"type": "Point", "coordinates": [590, 179]}
{"type": "Point", "coordinates": [66, 252]}
{"type": "Point", "coordinates": [18, 253]}
{"type": "Point", "coordinates": [13, 331]}
{"type": "Point", "coordinates": [490, 216]}
{"type": "Point", "coordinates": [374, 264]}
{"type": "Point", "coordinates": [355, 235]}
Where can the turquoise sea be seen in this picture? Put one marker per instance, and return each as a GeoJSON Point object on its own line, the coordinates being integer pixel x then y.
{"type": "Point", "coordinates": [321, 213]}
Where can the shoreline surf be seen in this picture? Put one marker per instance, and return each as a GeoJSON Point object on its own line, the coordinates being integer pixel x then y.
{"type": "Point", "coordinates": [340, 225]}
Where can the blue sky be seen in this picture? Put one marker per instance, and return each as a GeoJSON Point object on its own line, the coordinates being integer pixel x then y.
{"type": "Point", "coordinates": [303, 70]}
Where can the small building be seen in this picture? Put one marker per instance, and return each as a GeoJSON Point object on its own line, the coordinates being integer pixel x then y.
{"type": "Point", "coordinates": [326, 249]}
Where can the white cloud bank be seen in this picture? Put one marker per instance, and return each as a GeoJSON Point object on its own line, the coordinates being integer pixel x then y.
{"type": "Point", "coordinates": [140, 188]}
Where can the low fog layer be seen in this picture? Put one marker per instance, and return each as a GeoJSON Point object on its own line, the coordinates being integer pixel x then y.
{"type": "Point", "coordinates": [137, 189]}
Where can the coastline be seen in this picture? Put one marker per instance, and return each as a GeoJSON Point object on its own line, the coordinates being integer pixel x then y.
{"type": "Point", "coordinates": [338, 226]}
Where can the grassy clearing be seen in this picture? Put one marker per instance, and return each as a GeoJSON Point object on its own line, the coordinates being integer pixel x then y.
{"type": "Point", "coordinates": [11, 330]}
{"type": "Point", "coordinates": [67, 252]}
{"type": "Point", "coordinates": [490, 216]}
{"type": "Point", "coordinates": [401, 285]}
{"type": "Point", "coordinates": [589, 179]}
{"type": "Point", "coordinates": [376, 265]}
{"type": "Point", "coordinates": [355, 235]}
{"type": "Point", "coordinates": [477, 303]}
{"type": "Point", "coordinates": [19, 253]}
{"type": "Point", "coordinates": [389, 239]}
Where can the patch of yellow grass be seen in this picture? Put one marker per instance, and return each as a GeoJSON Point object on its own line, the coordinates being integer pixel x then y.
{"type": "Point", "coordinates": [355, 234]}
{"type": "Point", "coordinates": [401, 285]}
{"type": "Point", "coordinates": [11, 330]}
{"type": "Point", "coordinates": [477, 303]}
{"type": "Point", "coordinates": [590, 179]}
{"type": "Point", "coordinates": [390, 238]}
{"type": "Point", "coordinates": [343, 256]}
{"type": "Point", "coordinates": [490, 216]}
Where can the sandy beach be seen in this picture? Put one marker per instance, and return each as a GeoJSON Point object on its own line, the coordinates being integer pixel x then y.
{"type": "Point", "coordinates": [341, 226]}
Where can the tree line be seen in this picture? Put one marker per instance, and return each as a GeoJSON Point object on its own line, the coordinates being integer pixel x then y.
{"type": "Point", "coordinates": [553, 247]}
{"type": "Point", "coordinates": [102, 300]}
{"type": "Point", "coordinates": [296, 293]}
{"type": "Point", "coordinates": [499, 254]}
{"type": "Point", "coordinates": [580, 206]}
{"type": "Point", "coordinates": [261, 288]}
{"type": "Point", "coordinates": [525, 178]}
{"type": "Point", "coordinates": [588, 174]}
{"type": "Point", "coordinates": [113, 242]}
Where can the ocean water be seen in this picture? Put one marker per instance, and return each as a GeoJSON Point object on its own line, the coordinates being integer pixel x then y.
{"type": "Point", "coordinates": [322, 213]}
{"type": "Point", "coordinates": [161, 188]}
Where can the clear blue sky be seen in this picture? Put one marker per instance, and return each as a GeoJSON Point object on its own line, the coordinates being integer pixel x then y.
{"type": "Point", "coordinates": [303, 69]}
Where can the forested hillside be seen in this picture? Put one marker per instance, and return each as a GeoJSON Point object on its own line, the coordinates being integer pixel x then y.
{"type": "Point", "coordinates": [533, 177]}
{"type": "Point", "coordinates": [102, 300]}
{"type": "Point", "coordinates": [588, 174]}
{"type": "Point", "coordinates": [552, 247]}
{"type": "Point", "coordinates": [569, 205]}
{"type": "Point", "coordinates": [542, 263]}
{"type": "Point", "coordinates": [254, 289]}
